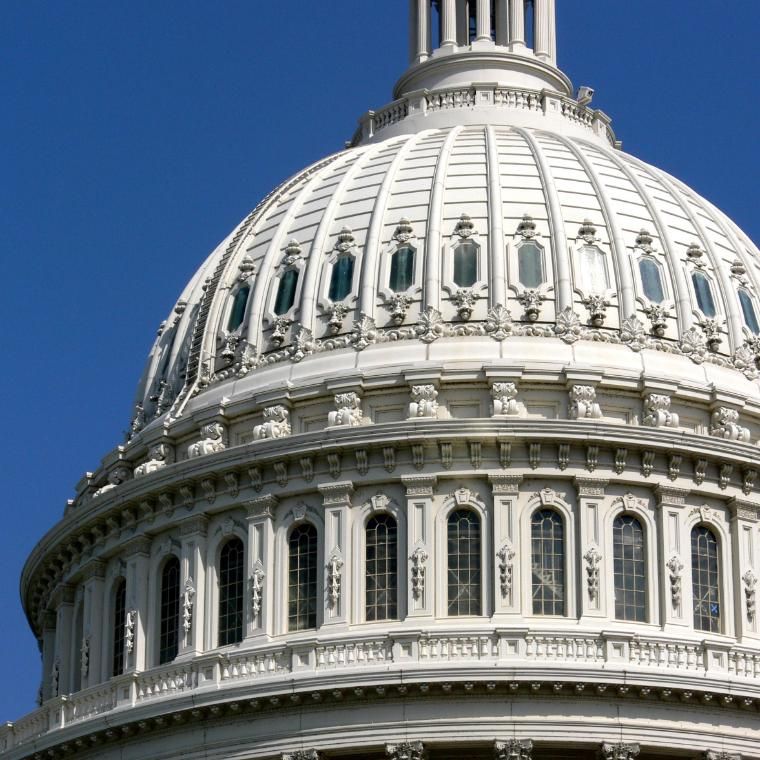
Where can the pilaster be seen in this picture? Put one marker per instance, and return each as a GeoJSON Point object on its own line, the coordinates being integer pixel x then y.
{"type": "Point", "coordinates": [592, 603]}
{"type": "Point", "coordinates": [509, 552]}
{"type": "Point", "coordinates": [48, 652]}
{"type": "Point", "coordinates": [259, 566]}
{"type": "Point", "coordinates": [744, 569]}
{"type": "Point", "coordinates": [419, 520]}
{"type": "Point", "coordinates": [192, 585]}
{"type": "Point", "coordinates": [62, 663]}
{"type": "Point", "coordinates": [137, 559]}
{"type": "Point", "coordinates": [336, 500]}
{"type": "Point", "coordinates": [674, 589]}
{"type": "Point", "coordinates": [95, 622]}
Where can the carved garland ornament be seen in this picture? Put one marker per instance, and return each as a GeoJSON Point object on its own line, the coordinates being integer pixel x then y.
{"type": "Point", "coordinates": [418, 559]}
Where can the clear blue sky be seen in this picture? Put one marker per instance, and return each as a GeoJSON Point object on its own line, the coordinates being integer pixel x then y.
{"type": "Point", "coordinates": [136, 134]}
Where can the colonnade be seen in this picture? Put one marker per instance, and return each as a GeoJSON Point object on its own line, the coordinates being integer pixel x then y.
{"type": "Point", "coordinates": [505, 22]}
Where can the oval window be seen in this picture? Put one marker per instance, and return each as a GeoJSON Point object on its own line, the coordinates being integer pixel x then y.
{"type": "Point", "coordinates": [703, 291]}
{"type": "Point", "coordinates": [651, 280]}
{"type": "Point", "coordinates": [466, 264]}
{"type": "Point", "coordinates": [286, 292]}
{"type": "Point", "coordinates": [341, 278]}
{"type": "Point", "coordinates": [748, 309]}
{"type": "Point", "coordinates": [237, 315]}
{"type": "Point", "coordinates": [402, 269]}
{"type": "Point", "coordinates": [530, 265]}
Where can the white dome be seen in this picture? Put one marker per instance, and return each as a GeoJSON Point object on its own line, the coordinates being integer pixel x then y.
{"type": "Point", "coordinates": [598, 221]}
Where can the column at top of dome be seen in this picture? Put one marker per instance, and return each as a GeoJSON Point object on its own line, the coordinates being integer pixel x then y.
{"type": "Point", "coordinates": [456, 42]}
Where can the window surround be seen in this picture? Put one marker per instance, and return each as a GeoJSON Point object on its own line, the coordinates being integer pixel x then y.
{"type": "Point", "coordinates": [110, 616]}
{"type": "Point", "coordinates": [292, 260]}
{"type": "Point", "coordinates": [464, 232]}
{"type": "Point", "coordinates": [528, 232]}
{"type": "Point", "coordinates": [345, 245]}
{"type": "Point", "coordinates": [404, 236]}
{"type": "Point", "coordinates": [462, 498]}
{"type": "Point", "coordinates": [161, 550]}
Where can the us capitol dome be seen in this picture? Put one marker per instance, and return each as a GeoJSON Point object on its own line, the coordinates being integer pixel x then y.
{"type": "Point", "coordinates": [449, 449]}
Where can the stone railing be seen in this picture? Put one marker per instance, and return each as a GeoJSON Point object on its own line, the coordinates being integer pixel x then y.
{"type": "Point", "coordinates": [425, 101]}
{"type": "Point", "coordinates": [658, 661]}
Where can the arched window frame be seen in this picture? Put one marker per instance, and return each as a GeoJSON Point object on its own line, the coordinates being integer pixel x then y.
{"type": "Point", "coordinates": [711, 519]}
{"type": "Point", "coordinates": [749, 332]}
{"type": "Point", "coordinates": [528, 232]}
{"type": "Point", "coordinates": [378, 505]}
{"type": "Point", "coordinates": [299, 514]}
{"type": "Point", "coordinates": [465, 232]}
{"type": "Point", "coordinates": [404, 236]}
{"type": "Point", "coordinates": [462, 498]}
{"type": "Point", "coordinates": [547, 498]}
{"type": "Point", "coordinates": [343, 247]}
{"type": "Point", "coordinates": [643, 512]}
{"type": "Point", "coordinates": [696, 262]}
{"type": "Point", "coordinates": [161, 551]}
{"type": "Point", "coordinates": [230, 305]}
{"type": "Point", "coordinates": [220, 532]}
{"type": "Point", "coordinates": [587, 238]}
{"type": "Point", "coordinates": [112, 612]}
{"type": "Point", "coordinates": [292, 260]}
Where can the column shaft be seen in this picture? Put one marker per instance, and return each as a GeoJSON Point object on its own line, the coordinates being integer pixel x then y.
{"type": "Point", "coordinates": [192, 588]}
{"type": "Point", "coordinates": [423, 30]}
{"type": "Point", "coordinates": [63, 637]}
{"type": "Point", "coordinates": [502, 22]}
{"type": "Point", "coordinates": [516, 23]}
{"type": "Point", "coordinates": [48, 654]}
{"type": "Point", "coordinates": [260, 564]}
{"type": "Point", "coordinates": [541, 28]}
{"type": "Point", "coordinates": [484, 19]}
{"type": "Point", "coordinates": [552, 11]}
{"type": "Point", "coordinates": [449, 23]}
{"type": "Point", "coordinates": [138, 594]}
{"type": "Point", "coordinates": [413, 36]}
{"type": "Point", "coordinates": [95, 626]}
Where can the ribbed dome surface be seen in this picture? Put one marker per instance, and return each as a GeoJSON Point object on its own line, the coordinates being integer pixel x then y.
{"type": "Point", "coordinates": [590, 213]}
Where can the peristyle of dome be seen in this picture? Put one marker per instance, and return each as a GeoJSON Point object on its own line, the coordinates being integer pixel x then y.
{"type": "Point", "coordinates": [450, 447]}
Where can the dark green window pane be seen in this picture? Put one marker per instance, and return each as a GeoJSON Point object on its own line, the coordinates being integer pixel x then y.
{"type": "Point", "coordinates": [381, 559]}
{"type": "Point", "coordinates": [530, 265]}
{"type": "Point", "coordinates": [237, 315]}
{"type": "Point", "coordinates": [548, 562]}
{"type": "Point", "coordinates": [463, 543]}
{"type": "Point", "coordinates": [704, 294]}
{"type": "Point", "coordinates": [651, 280]}
{"type": "Point", "coordinates": [231, 592]}
{"type": "Point", "coordinates": [630, 569]}
{"type": "Point", "coordinates": [286, 292]}
{"type": "Point", "coordinates": [302, 578]}
{"type": "Point", "coordinates": [402, 269]}
{"type": "Point", "coordinates": [705, 579]}
{"type": "Point", "coordinates": [341, 278]}
{"type": "Point", "coordinates": [466, 264]}
{"type": "Point", "coordinates": [748, 309]}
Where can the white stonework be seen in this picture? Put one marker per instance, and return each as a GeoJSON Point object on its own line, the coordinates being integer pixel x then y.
{"type": "Point", "coordinates": [475, 475]}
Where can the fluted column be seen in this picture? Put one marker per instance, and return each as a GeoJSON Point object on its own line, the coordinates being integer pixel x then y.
{"type": "Point", "coordinates": [502, 22]}
{"type": "Point", "coordinates": [516, 24]}
{"type": "Point", "coordinates": [552, 11]}
{"type": "Point", "coordinates": [484, 20]}
{"type": "Point", "coordinates": [422, 28]}
{"type": "Point", "coordinates": [449, 23]}
{"type": "Point", "coordinates": [541, 23]}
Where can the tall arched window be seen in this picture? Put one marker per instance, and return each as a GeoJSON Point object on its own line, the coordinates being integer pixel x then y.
{"type": "Point", "coordinates": [703, 292]}
{"type": "Point", "coordinates": [168, 642]}
{"type": "Point", "coordinates": [237, 313]}
{"type": "Point", "coordinates": [548, 562]}
{"type": "Point", "coordinates": [464, 573]}
{"type": "Point", "coordinates": [630, 569]}
{"type": "Point", "coordinates": [231, 592]}
{"type": "Point", "coordinates": [651, 280]}
{"type": "Point", "coordinates": [381, 558]}
{"type": "Point", "coordinates": [530, 265]}
{"type": "Point", "coordinates": [402, 269]}
{"type": "Point", "coordinates": [748, 309]}
{"type": "Point", "coordinates": [302, 578]}
{"type": "Point", "coordinates": [286, 292]}
{"type": "Point", "coordinates": [119, 627]}
{"type": "Point", "coordinates": [466, 264]}
{"type": "Point", "coordinates": [341, 278]}
{"type": "Point", "coordinates": [705, 579]}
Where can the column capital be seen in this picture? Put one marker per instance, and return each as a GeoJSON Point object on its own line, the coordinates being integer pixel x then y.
{"type": "Point", "coordinates": [711, 754]}
{"type": "Point", "coordinates": [620, 751]}
{"type": "Point", "coordinates": [405, 751]}
{"type": "Point", "coordinates": [302, 754]}
{"type": "Point", "coordinates": [419, 485]}
{"type": "Point", "coordinates": [96, 568]}
{"type": "Point", "coordinates": [590, 486]}
{"type": "Point", "coordinates": [513, 749]}
{"type": "Point", "coordinates": [194, 526]}
{"type": "Point", "coordinates": [673, 497]}
{"type": "Point", "coordinates": [137, 545]}
{"type": "Point", "coordinates": [505, 484]}
{"type": "Point", "coordinates": [743, 509]}
{"type": "Point", "coordinates": [336, 494]}
{"type": "Point", "coordinates": [262, 507]}
{"type": "Point", "coordinates": [63, 594]}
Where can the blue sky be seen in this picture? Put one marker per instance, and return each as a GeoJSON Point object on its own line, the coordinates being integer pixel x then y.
{"type": "Point", "coordinates": [135, 135]}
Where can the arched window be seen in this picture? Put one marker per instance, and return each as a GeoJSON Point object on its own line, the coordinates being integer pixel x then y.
{"type": "Point", "coordinates": [703, 292]}
{"type": "Point", "coordinates": [286, 292]}
{"type": "Point", "coordinates": [651, 280]}
{"type": "Point", "coordinates": [464, 574]}
{"type": "Point", "coordinates": [466, 264]}
{"type": "Point", "coordinates": [119, 627]}
{"type": "Point", "coordinates": [593, 267]}
{"type": "Point", "coordinates": [548, 562]}
{"type": "Point", "coordinates": [530, 265]}
{"type": "Point", "coordinates": [231, 592]}
{"type": "Point", "coordinates": [302, 578]}
{"type": "Point", "coordinates": [341, 278]}
{"type": "Point", "coordinates": [237, 314]}
{"type": "Point", "coordinates": [705, 579]}
{"type": "Point", "coordinates": [748, 309]}
{"type": "Point", "coordinates": [381, 548]}
{"type": "Point", "coordinates": [402, 269]}
{"type": "Point", "coordinates": [630, 569]}
{"type": "Point", "coordinates": [168, 642]}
